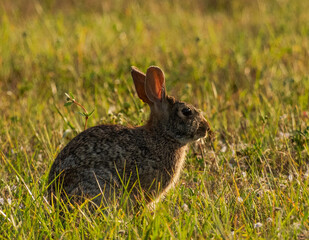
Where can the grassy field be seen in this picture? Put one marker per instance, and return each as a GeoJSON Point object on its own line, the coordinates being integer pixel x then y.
{"type": "Point", "coordinates": [244, 63]}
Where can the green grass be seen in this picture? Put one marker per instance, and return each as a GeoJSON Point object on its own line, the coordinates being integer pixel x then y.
{"type": "Point", "coordinates": [245, 64]}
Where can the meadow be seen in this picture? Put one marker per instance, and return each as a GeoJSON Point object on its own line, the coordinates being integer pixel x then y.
{"type": "Point", "coordinates": [245, 64]}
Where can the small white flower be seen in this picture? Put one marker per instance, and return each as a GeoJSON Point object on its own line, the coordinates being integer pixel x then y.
{"type": "Point", "coordinates": [233, 152]}
{"type": "Point", "coordinates": [290, 177]}
{"type": "Point", "coordinates": [111, 109]}
{"type": "Point", "coordinates": [244, 174]}
{"type": "Point", "coordinates": [283, 135]}
{"type": "Point", "coordinates": [240, 200]}
{"type": "Point", "coordinates": [9, 201]}
{"type": "Point", "coordinates": [65, 134]}
{"type": "Point", "coordinates": [269, 219]}
{"type": "Point", "coordinates": [1, 201]}
{"type": "Point", "coordinates": [223, 149]}
{"type": "Point", "coordinates": [297, 225]}
{"type": "Point", "coordinates": [258, 225]}
{"type": "Point", "coordinates": [185, 207]}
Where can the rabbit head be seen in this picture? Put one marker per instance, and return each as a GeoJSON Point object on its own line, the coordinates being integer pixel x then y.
{"type": "Point", "coordinates": [179, 121]}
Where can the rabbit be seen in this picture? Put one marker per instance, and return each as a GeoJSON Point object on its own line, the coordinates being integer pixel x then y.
{"type": "Point", "coordinates": [148, 159]}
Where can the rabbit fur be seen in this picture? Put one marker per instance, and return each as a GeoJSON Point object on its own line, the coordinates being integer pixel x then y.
{"type": "Point", "coordinates": [101, 160]}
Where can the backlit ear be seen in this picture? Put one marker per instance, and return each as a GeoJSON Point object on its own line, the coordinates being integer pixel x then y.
{"type": "Point", "coordinates": [139, 82]}
{"type": "Point", "coordinates": [155, 84]}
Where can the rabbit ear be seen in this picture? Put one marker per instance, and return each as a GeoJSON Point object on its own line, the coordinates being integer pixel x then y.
{"type": "Point", "coordinates": [155, 84]}
{"type": "Point", "coordinates": [139, 82]}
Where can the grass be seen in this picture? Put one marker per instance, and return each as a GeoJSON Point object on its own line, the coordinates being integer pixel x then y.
{"type": "Point", "coordinates": [244, 64]}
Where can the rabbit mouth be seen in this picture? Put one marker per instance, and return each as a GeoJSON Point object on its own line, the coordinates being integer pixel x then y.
{"type": "Point", "coordinates": [203, 130]}
{"type": "Point", "coordinates": [201, 133]}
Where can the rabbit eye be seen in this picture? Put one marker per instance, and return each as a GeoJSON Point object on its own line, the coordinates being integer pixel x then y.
{"type": "Point", "coordinates": [186, 111]}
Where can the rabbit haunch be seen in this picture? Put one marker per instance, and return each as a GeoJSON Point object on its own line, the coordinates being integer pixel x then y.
{"type": "Point", "coordinates": [148, 159]}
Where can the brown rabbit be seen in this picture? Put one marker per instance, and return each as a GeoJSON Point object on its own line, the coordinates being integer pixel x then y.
{"type": "Point", "coordinates": [147, 160]}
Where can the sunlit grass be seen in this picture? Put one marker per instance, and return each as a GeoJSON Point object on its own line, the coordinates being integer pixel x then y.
{"type": "Point", "coordinates": [244, 65]}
